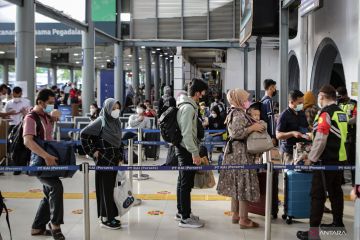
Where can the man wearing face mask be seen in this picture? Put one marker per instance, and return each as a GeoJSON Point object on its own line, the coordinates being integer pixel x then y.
{"type": "Point", "coordinates": [187, 152]}
{"type": "Point", "coordinates": [139, 120]}
{"type": "Point", "coordinates": [51, 208]}
{"type": "Point", "coordinates": [292, 126]}
{"type": "Point", "coordinates": [3, 97]}
{"type": "Point", "coordinates": [20, 105]}
{"type": "Point", "coordinates": [330, 134]}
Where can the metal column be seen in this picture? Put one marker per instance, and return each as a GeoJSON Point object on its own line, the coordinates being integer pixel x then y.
{"type": "Point", "coordinates": [25, 47]}
{"type": "Point", "coordinates": [119, 84]}
{"type": "Point", "coordinates": [167, 72]}
{"type": "Point", "coordinates": [6, 72]}
{"type": "Point", "coordinates": [54, 75]}
{"type": "Point", "coordinates": [72, 77]}
{"type": "Point", "coordinates": [163, 71]}
{"type": "Point", "coordinates": [147, 74]}
{"type": "Point", "coordinates": [157, 76]}
{"type": "Point", "coordinates": [357, 162]}
{"type": "Point", "coordinates": [88, 68]}
{"type": "Point", "coordinates": [246, 66]}
{"type": "Point", "coordinates": [284, 49]}
{"type": "Point", "coordinates": [135, 73]}
{"type": "Point", "coordinates": [172, 73]}
{"type": "Point", "coordinates": [258, 69]}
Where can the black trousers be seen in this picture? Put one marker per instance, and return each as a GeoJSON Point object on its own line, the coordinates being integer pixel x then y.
{"type": "Point", "coordinates": [351, 154]}
{"type": "Point", "coordinates": [104, 184]}
{"type": "Point", "coordinates": [185, 182]}
{"type": "Point", "coordinates": [51, 207]}
{"type": "Point", "coordinates": [329, 181]}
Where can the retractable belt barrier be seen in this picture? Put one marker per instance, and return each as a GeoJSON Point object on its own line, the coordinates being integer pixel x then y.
{"type": "Point", "coordinates": [176, 168]}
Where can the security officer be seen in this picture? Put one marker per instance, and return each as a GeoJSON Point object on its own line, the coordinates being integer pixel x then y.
{"type": "Point", "coordinates": [330, 132]}
{"type": "Point", "coordinates": [349, 106]}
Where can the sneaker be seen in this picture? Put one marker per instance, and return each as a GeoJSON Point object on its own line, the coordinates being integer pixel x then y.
{"type": "Point", "coordinates": [190, 223]}
{"type": "Point", "coordinates": [307, 235]}
{"type": "Point", "coordinates": [178, 217]}
{"type": "Point", "coordinates": [137, 202]}
{"type": "Point", "coordinates": [114, 224]}
{"type": "Point", "coordinates": [333, 227]}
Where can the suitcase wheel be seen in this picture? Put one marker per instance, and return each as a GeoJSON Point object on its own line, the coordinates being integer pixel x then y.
{"type": "Point", "coordinates": [289, 220]}
{"type": "Point", "coordinates": [284, 216]}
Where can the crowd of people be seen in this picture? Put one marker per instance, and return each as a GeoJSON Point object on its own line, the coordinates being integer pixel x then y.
{"type": "Point", "coordinates": [328, 123]}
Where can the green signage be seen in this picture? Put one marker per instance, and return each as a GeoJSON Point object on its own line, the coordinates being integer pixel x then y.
{"type": "Point", "coordinates": [104, 10]}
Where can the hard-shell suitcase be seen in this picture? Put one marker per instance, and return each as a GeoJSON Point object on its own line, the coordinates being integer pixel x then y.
{"type": "Point", "coordinates": [297, 195]}
{"type": "Point", "coordinates": [259, 207]}
{"type": "Point", "coordinates": [152, 151]}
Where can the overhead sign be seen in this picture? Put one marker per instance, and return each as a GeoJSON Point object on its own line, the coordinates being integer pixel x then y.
{"type": "Point", "coordinates": [308, 6]}
{"type": "Point", "coordinates": [246, 20]}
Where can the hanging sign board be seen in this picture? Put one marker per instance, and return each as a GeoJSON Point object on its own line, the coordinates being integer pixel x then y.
{"type": "Point", "coordinates": [308, 6]}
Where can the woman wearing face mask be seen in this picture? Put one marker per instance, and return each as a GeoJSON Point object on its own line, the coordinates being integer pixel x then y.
{"type": "Point", "coordinates": [94, 111]}
{"type": "Point", "coordinates": [139, 120]}
{"type": "Point", "coordinates": [241, 185]}
{"type": "Point", "coordinates": [101, 140]}
{"type": "Point", "coordinates": [214, 122]}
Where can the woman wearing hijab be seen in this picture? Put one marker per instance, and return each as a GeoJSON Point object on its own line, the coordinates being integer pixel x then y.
{"type": "Point", "coordinates": [310, 107]}
{"type": "Point", "coordinates": [214, 122]}
{"type": "Point", "coordinates": [166, 101]}
{"type": "Point", "coordinates": [241, 185]}
{"type": "Point", "coordinates": [101, 140]}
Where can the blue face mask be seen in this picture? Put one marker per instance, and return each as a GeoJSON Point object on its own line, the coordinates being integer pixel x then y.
{"type": "Point", "coordinates": [299, 107]}
{"type": "Point", "coordinates": [49, 108]}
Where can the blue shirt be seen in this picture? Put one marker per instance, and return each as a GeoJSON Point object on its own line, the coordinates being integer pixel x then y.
{"type": "Point", "coordinates": [289, 121]}
{"type": "Point", "coordinates": [267, 114]}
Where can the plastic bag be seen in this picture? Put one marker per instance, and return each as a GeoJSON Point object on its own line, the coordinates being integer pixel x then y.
{"type": "Point", "coordinates": [123, 195]}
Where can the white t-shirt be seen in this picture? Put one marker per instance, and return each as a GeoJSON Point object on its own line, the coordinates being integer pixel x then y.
{"type": "Point", "coordinates": [18, 106]}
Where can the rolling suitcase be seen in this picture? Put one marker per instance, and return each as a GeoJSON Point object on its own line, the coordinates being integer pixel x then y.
{"type": "Point", "coordinates": [297, 195]}
{"type": "Point", "coordinates": [259, 207]}
{"type": "Point", "coordinates": [152, 151]}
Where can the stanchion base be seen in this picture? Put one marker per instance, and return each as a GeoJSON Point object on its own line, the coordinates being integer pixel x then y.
{"type": "Point", "coordinates": [142, 177]}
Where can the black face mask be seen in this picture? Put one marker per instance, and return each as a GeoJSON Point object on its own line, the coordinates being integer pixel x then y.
{"type": "Point", "coordinates": [274, 93]}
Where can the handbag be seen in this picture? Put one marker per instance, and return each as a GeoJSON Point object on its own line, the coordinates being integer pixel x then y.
{"type": "Point", "coordinates": [63, 151]}
{"type": "Point", "coordinates": [123, 196]}
{"type": "Point", "coordinates": [259, 142]}
{"type": "Point", "coordinates": [204, 179]}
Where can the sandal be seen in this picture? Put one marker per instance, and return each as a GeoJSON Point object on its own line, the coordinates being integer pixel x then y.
{"type": "Point", "coordinates": [56, 233]}
{"type": "Point", "coordinates": [250, 225]}
{"type": "Point", "coordinates": [235, 220]}
{"type": "Point", "coordinates": [40, 232]}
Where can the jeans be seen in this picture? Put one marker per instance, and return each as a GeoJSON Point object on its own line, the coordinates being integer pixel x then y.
{"type": "Point", "coordinates": [185, 182]}
{"type": "Point", "coordinates": [210, 138]}
{"type": "Point", "coordinates": [51, 207]}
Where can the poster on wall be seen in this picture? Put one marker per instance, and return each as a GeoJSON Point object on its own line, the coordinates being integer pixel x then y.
{"type": "Point", "coordinates": [354, 89]}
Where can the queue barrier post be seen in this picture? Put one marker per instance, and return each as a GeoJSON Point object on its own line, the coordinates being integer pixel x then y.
{"type": "Point", "coordinates": [131, 159]}
{"type": "Point", "coordinates": [269, 186]}
{"type": "Point", "coordinates": [140, 176]}
{"type": "Point", "coordinates": [86, 197]}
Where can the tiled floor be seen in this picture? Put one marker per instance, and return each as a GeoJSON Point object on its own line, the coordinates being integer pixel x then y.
{"type": "Point", "coordinates": [138, 224]}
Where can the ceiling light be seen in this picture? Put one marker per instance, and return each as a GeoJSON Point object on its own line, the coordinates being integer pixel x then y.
{"type": "Point", "coordinates": [142, 47]}
{"type": "Point", "coordinates": [77, 62]}
{"type": "Point", "coordinates": [95, 58]}
{"type": "Point", "coordinates": [171, 56]}
{"type": "Point", "coordinates": [108, 60]}
{"type": "Point", "coordinates": [48, 49]}
{"type": "Point", "coordinates": [102, 66]}
{"type": "Point", "coordinates": [166, 58]}
{"type": "Point", "coordinates": [158, 49]}
{"type": "Point", "coordinates": [76, 54]}
{"type": "Point", "coordinates": [140, 58]}
{"type": "Point", "coordinates": [165, 53]}
{"type": "Point", "coordinates": [153, 63]}
{"type": "Point", "coordinates": [160, 55]}
{"type": "Point", "coordinates": [128, 64]}
{"type": "Point", "coordinates": [153, 52]}
{"type": "Point", "coordinates": [2, 52]}
{"type": "Point", "coordinates": [129, 55]}
{"type": "Point", "coordinates": [36, 57]}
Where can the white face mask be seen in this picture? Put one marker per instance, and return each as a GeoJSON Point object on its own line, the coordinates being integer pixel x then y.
{"type": "Point", "coordinates": [214, 115]}
{"type": "Point", "coordinates": [139, 110]}
{"type": "Point", "coordinates": [16, 100]}
{"type": "Point", "coordinates": [115, 113]}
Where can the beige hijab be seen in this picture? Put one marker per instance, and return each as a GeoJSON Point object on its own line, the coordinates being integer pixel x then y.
{"type": "Point", "coordinates": [237, 97]}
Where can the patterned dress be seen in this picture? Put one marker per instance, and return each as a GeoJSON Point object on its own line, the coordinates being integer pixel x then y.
{"type": "Point", "coordinates": [238, 184]}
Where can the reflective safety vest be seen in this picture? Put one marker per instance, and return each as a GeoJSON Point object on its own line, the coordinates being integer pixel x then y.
{"type": "Point", "coordinates": [335, 146]}
{"type": "Point", "coordinates": [348, 107]}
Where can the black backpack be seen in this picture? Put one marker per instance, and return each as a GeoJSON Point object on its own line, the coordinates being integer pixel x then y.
{"type": "Point", "coordinates": [3, 207]}
{"type": "Point", "coordinates": [18, 152]}
{"type": "Point", "coordinates": [169, 127]}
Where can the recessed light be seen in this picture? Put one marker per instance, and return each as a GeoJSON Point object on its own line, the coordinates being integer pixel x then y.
{"type": "Point", "coordinates": [165, 53]}
{"type": "Point", "coordinates": [36, 57]}
{"type": "Point", "coordinates": [128, 64]}
{"type": "Point", "coordinates": [160, 55]}
{"type": "Point", "coordinates": [142, 47]}
{"type": "Point", "coordinates": [77, 62]}
{"type": "Point", "coordinates": [166, 58]}
{"type": "Point", "coordinates": [158, 49]}
{"type": "Point", "coordinates": [95, 58]}
{"type": "Point", "coordinates": [48, 49]}
{"type": "Point", "coordinates": [171, 56]}
{"type": "Point", "coordinates": [76, 54]}
{"type": "Point", "coordinates": [2, 52]}
{"type": "Point", "coordinates": [140, 58]}
{"type": "Point", "coordinates": [153, 52]}
{"type": "Point", "coordinates": [153, 63]}
{"type": "Point", "coordinates": [108, 60]}
{"type": "Point", "coordinates": [102, 66]}
{"type": "Point", "coordinates": [129, 55]}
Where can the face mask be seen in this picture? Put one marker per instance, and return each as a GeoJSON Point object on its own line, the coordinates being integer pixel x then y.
{"type": "Point", "coordinates": [319, 104]}
{"type": "Point", "coordinates": [274, 93]}
{"type": "Point", "coordinates": [115, 113]}
{"type": "Point", "coordinates": [246, 104]}
{"type": "Point", "coordinates": [139, 110]}
{"type": "Point", "coordinates": [299, 107]}
{"type": "Point", "coordinates": [214, 115]}
{"type": "Point", "coordinates": [49, 108]}
{"type": "Point", "coordinates": [16, 100]}
{"type": "Point", "coordinates": [3, 97]}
